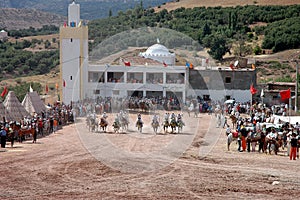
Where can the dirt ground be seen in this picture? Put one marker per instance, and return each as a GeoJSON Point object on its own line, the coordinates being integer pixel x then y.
{"type": "Point", "coordinates": [76, 164]}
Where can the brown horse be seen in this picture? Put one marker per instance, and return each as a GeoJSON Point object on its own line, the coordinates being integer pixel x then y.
{"type": "Point", "coordinates": [233, 120]}
{"type": "Point", "coordinates": [23, 133]}
{"type": "Point", "coordinates": [103, 124]}
{"type": "Point", "coordinates": [273, 145]}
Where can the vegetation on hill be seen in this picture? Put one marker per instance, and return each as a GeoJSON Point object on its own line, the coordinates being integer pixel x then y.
{"type": "Point", "coordinates": [219, 29]}
{"type": "Point", "coordinates": [16, 61]}
{"type": "Point", "coordinates": [215, 28]}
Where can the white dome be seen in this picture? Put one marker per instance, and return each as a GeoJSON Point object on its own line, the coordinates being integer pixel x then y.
{"type": "Point", "coordinates": [157, 49]}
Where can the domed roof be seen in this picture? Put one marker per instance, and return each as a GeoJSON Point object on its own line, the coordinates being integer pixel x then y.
{"type": "Point", "coordinates": [157, 49]}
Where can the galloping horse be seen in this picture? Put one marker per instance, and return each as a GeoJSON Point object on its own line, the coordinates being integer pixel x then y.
{"type": "Point", "coordinates": [91, 123]}
{"type": "Point", "coordinates": [180, 125]}
{"type": "Point", "coordinates": [103, 124]}
{"type": "Point", "coordinates": [139, 124]}
{"type": "Point", "coordinates": [166, 125]}
{"type": "Point", "coordinates": [173, 124]}
{"type": "Point", "coordinates": [155, 125]}
{"type": "Point", "coordinates": [124, 123]}
{"type": "Point", "coordinates": [116, 125]}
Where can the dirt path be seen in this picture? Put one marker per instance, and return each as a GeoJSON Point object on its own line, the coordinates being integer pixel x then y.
{"type": "Point", "coordinates": [66, 165]}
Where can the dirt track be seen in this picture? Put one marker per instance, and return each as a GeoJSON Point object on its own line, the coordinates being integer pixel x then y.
{"type": "Point", "coordinates": [60, 166]}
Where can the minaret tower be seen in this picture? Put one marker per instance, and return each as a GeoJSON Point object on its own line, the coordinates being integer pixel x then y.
{"type": "Point", "coordinates": [73, 56]}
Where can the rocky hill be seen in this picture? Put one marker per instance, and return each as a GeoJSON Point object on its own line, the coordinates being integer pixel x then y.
{"type": "Point", "coordinates": [12, 19]}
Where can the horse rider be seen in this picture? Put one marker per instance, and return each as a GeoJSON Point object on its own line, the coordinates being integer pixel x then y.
{"type": "Point", "coordinates": [104, 115]}
{"type": "Point", "coordinates": [139, 119]}
{"type": "Point", "coordinates": [155, 118]}
{"type": "Point", "coordinates": [167, 115]}
{"type": "Point", "coordinates": [173, 116]}
{"type": "Point", "coordinates": [179, 118]}
{"type": "Point", "coordinates": [117, 121]}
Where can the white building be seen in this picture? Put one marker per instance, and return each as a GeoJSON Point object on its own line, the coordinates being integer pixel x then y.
{"type": "Point", "coordinates": [160, 53]}
{"type": "Point", "coordinates": [156, 75]}
{"type": "Point", "coordinates": [3, 34]}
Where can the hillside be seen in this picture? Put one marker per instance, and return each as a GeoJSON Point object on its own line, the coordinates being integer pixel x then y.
{"type": "Point", "coordinates": [228, 3]}
{"type": "Point", "coordinates": [12, 19]}
{"type": "Point", "coordinates": [89, 9]}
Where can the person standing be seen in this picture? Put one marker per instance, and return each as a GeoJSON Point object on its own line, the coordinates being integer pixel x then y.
{"type": "Point", "coordinates": [294, 144]}
{"type": "Point", "coordinates": [3, 134]}
{"type": "Point", "coordinates": [51, 125]}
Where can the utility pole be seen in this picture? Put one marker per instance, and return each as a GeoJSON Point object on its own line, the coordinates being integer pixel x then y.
{"type": "Point", "coordinates": [296, 87]}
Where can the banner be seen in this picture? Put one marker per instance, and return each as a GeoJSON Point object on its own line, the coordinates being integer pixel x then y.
{"type": "Point", "coordinates": [252, 89]}
{"type": "Point", "coordinates": [285, 94]}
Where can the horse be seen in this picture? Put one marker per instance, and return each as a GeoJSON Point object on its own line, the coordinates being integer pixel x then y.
{"type": "Point", "coordinates": [116, 126]}
{"type": "Point", "coordinates": [23, 133]}
{"type": "Point", "coordinates": [173, 125]}
{"type": "Point", "coordinates": [180, 125]}
{"type": "Point", "coordinates": [273, 145]}
{"type": "Point", "coordinates": [91, 124]}
{"type": "Point", "coordinates": [124, 123]}
{"type": "Point", "coordinates": [155, 125]}
{"type": "Point", "coordinates": [233, 120]}
{"type": "Point", "coordinates": [166, 125]}
{"type": "Point", "coordinates": [103, 124]}
{"type": "Point", "coordinates": [139, 125]}
{"type": "Point", "coordinates": [232, 136]}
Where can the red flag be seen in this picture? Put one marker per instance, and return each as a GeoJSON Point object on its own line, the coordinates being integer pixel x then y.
{"type": "Point", "coordinates": [127, 63]}
{"type": "Point", "coordinates": [191, 66]}
{"type": "Point", "coordinates": [4, 92]}
{"type": "Point", "coordinates": [165, 64]}
{"type": "Point", "coordinates": [47, 89]}
{"type": "Point", "coordinates": [64, 83]}
{"type": "Point", "coordinates": [252, 89]}
{"type": "Point", "coordinates": [285, 94]}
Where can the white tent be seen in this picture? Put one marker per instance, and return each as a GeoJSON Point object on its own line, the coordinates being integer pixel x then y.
{"type": "Point", "coordinates": [14, 107]}
{"type": "Point", "coordinates": [33, 103]}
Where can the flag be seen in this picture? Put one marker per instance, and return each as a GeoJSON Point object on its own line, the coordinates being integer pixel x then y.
{"type": "Point", "coordinates": [30, 89]}
{"type": "Point", "coordinates": [285, 94]}
{"type": "Point", "coordinates": [47, 89]}
{"type": "Point", "coordinates": [231, 67]}
{"type": "Point", "coordinates": [253, 66]}
{"type": "Point", "coordinates": [262, 94]}
{"type": "Point", "coordinates": [252, 89]}
{"type": "Point", "coordinates": [191, 66]}
{"type": "Point", "coordinates": [165, 64]}
{"type": "Point", "coordinates": [64, 83]}
{"type": "Point", "coordinates": [4, 92]}
{"type": "Point", "coordinates": [127, 63]}
{"type": "Point", "coordinates": [187, 64]}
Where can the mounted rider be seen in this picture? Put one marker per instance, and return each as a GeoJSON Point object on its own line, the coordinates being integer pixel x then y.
{"type": "Point", "coordinates": [179, 119]}
{"type": "Point", "coordinates": [116, 123]}
{"type": "Point", "coordinates": [103, 121]}
{"type": "Point", "coordinates": [139, 119]}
